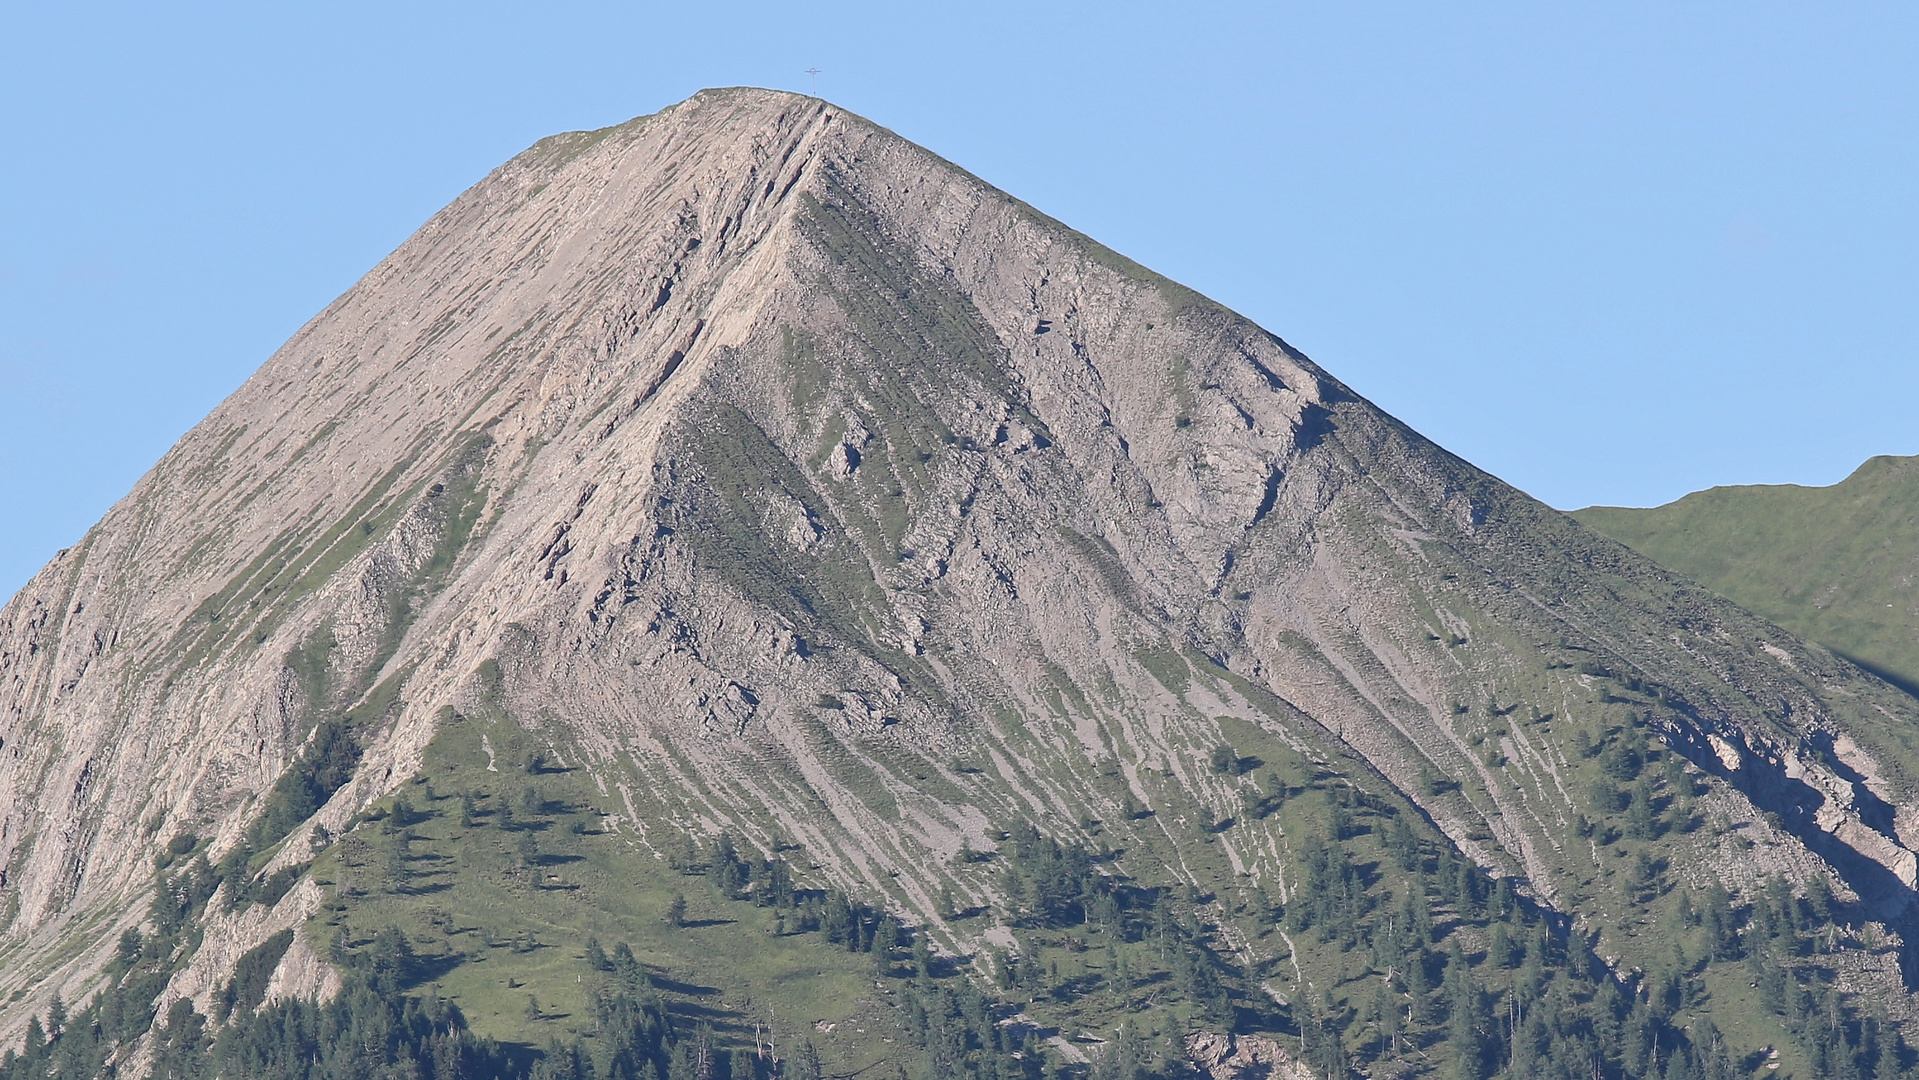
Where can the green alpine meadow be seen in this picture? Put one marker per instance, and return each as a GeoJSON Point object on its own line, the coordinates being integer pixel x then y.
{"type": "Point", "coordinates": [1835, 565]}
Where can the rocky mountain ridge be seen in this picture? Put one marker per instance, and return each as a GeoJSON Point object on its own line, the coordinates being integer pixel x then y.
{"type": "Point", "coordinates": [794, 484]}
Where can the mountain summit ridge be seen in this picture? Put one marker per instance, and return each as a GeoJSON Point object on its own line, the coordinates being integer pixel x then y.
{"type": "Point", "coordinates": [347, 354]}
{"type": "Point", "coordinates": [795, 485]}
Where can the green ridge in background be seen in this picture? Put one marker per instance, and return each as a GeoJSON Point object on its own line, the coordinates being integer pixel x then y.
{"type": "Point", "coordinates": [1835, 564]}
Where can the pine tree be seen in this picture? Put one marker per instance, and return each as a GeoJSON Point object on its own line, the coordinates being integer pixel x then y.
{"type": "Point", "coordinates": [1418, 989]}
{"type": "Point", "coordinates": [1722, 943]}
{"type": "Point", "coordinates": [1121, 1058]}
{"type": "Point", "coordinates": [806, 1063]}
{"type": "Point", "coordinates": [1223, 760]}
{"type": "Point", "coordinates": [1468, 1019]}
{"type": "Point", "coordinates": [56, 1017]}
{"type": "Point", "coordinates": [1641, 821]}
{"type": "Point", "coordinates": [1499, 948]}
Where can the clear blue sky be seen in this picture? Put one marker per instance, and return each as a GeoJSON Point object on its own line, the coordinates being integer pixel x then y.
{"type": "Point", "coordinates": [1611, 253]}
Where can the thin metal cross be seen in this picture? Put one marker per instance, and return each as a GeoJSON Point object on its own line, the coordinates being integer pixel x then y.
{"type": "Point", "coordinates": [815, 72]}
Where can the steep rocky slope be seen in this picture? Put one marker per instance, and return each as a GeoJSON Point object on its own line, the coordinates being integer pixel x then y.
{"type": "Point", "coordinates": [1833, 564]}
{"type": "Point", "coordinates": [782, 479]}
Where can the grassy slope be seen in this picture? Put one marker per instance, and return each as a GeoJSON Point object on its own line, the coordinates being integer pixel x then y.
{"type": "Point", "coordinates": [1834, 564]}
{"type": "Point", "coordinates": [494, 934]}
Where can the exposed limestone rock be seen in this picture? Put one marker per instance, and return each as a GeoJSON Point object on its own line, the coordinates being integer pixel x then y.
{"type": "Point", "coordinates": [765, 464]}
{"type": "Point", "coordinates": [1243, 1057]}
{"type": "Point", "coordinates": [230, 935]}
{"type": "Point", "coordinates": [1728, 754]}
{"type": "Point", "coordinates": [303, 973]}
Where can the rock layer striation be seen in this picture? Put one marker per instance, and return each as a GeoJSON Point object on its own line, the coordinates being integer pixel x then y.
{"type": "Point", "coordinates": [797, 483]}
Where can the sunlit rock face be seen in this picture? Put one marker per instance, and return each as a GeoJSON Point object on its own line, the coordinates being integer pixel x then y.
{"type": "Point", "coordinates": [795, 482]}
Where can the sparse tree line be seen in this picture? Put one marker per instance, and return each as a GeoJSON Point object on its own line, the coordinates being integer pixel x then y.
{"type": "Point", "coordinates": [1444, 970]}
{"type": "Point", "coordinates": [1441, 970]}
{"type": "Point", "coordinates": [370, 1029]}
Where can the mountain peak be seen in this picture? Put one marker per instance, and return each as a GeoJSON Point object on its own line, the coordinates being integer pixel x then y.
{"type": "Point", "coordinates": [772, 484]}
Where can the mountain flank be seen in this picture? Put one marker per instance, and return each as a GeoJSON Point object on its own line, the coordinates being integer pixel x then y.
{"type": "Point", "coordinates": [1833, 564]}
{"type": "Point", "coordinates": [735, 595]}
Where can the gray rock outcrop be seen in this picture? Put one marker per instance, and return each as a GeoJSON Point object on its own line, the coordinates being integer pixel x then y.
{"type": "Point", "coordinates": [772, 467]}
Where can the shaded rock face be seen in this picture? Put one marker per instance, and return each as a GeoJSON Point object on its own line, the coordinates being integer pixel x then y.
{"type": "Point", "coordinates": [795, 482]}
